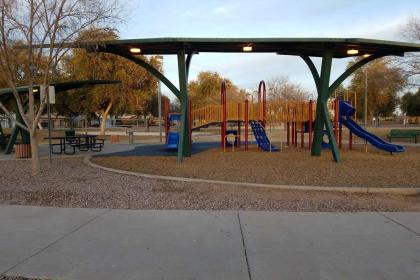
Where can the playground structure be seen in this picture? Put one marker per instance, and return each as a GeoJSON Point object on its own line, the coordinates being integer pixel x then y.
{"type": "Point", "coordinates": [297, 117]}
{"type": "Point", "coordinates": [244, 114]}
{"type": "Point", "coordinates": [327, 49]}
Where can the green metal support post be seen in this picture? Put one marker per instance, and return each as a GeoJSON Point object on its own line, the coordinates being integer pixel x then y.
{"type": "Point", "coordinates": [188, 63]}
{"type": "Point", "coordinates": [152, 70]}
{"type": "Point", "coordinates": [324, 92]}
{"type": "Point", "coordinates": [16, 129]}
{"type": "Point", "coordinates": [322, 115]}
{"type": "Point", "coordinates": [184, 146]}
{"type": "Point", "coordinates": [12, 140]}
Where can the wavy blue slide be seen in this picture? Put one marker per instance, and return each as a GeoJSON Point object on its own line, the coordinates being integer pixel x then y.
{"type": "Point", "coordinates": [346, 111]}
{"type": "Point", "coordinates": [261, 137]}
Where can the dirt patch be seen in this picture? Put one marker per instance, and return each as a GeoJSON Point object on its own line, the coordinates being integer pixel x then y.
{"type": "Point", "coordinates": [292, 166]}
{"type": "Point", "coordinates": [70, 183]}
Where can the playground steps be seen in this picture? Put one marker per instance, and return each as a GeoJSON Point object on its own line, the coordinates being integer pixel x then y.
{"type": "Point", "coordinates": [261, 137]}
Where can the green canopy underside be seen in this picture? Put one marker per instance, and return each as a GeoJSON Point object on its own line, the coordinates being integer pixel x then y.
{"type": "Point", "coordinates": [286, 46]}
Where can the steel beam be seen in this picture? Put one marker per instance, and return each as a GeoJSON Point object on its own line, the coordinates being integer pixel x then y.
{"type": "Point", "coordinates": [322, 118]}
{"type": "Point", "coordinates": [188, 63]}
{"type": "Point", "coordinates": [155, 72]}
{"type": "Point", "coordinates": [16, 129]}
{"type": "Point", "coordinates": [350, 71]}
{"type": "Point", "coordinates": [184, 145]}
{"type": "Point", "coordinates": [314, 72]}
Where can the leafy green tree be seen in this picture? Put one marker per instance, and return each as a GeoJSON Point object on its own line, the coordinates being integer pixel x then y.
{"type": "Point", "coordinates": [135, 94]}
{"type": "Point", "coordinates": [205, 90]}
{"type": "Point", "coordinates": [410, 103]}
{"type": "Point", "coordinates": [384, 81]}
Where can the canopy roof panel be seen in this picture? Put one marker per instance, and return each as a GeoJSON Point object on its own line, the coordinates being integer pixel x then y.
{"type": "Point", "coordinates": [286, 46]}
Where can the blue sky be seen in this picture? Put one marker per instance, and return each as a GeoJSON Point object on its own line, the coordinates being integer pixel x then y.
{"type": "Point", "coordinates": [298, 18]}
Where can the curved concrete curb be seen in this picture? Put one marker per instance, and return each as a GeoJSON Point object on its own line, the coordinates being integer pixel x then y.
{"type": "Point", "coordinates": [400, 191]}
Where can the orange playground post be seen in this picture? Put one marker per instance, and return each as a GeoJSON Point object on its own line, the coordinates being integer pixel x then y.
{"type": "Point", "coordinates": [223, 103]}
{"type": "Point", "coordinates": [302, 135]}
{"type": "Point", "coordinates": [310, 123]}
{"type": "Point", "coordinates": [246, 123]}
{"type": "Point", "coordinates": [239, 125]}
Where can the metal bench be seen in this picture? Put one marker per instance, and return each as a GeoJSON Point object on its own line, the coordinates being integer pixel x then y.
{"type": "Point", "coordinates": [404, 133]}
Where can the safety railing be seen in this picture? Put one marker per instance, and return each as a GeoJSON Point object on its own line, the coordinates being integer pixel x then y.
{"type": "Point", "coordinates": [276, 112]}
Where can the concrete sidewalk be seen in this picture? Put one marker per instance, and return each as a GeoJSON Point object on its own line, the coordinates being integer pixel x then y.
{"type": "Point", "coordinates": [61, 243]}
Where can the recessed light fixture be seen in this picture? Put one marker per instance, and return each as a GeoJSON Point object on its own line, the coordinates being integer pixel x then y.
{"type": "Point", "coordinates": [366, 55]}
{"type": "Point", "coordinates": [352, 52]}
{"type": "Point", "coordinates": [135, 50]}
{"type": "Point", "coordinates": [247, 49]}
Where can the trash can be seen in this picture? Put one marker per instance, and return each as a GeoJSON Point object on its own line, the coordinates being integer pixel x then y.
{"type": "Point", "coordinates": [23, 149]}
{"type": "Point", "coordinates": [115, 138]}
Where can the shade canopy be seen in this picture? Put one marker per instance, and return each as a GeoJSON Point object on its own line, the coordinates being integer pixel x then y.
{"type": "Point", "coordinates": [326, 48]}
{"type": "Point", "coordinates": [59, 87]}
{"type": "Point", "coordinates": [286, 46]}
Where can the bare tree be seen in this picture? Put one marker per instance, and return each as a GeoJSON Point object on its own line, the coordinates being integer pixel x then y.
{"type": "Point", "coordinates": [281, 87]}
{"type": "Point", "coordinates": [42, 30]}
{"type": "Point", "coordinates": [411, 62]}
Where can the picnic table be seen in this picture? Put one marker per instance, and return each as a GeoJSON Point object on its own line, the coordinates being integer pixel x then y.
{"type": "Point", "coordinates": [83, 142]}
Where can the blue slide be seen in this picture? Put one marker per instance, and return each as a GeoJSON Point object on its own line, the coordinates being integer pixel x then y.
{"type": "Point", "coordinates": [173, 139]}
{"type": "Point", "coordinates": [346, 111]}
{"type": "Point", "coordinates": [261, 137]}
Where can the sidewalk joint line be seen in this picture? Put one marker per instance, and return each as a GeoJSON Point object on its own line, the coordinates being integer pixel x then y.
{"type": "Point", "coordinates": [244, 246]}
{"type": "Point", "coordinates": [400, 224]}
{"type": "Point", "coordinates": [56, 241]}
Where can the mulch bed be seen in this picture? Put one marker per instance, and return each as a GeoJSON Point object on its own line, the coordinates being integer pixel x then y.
{"type": "Point", "coordinates": [292, 166]}
{"type": "Point", "coordinates": [70, 183]}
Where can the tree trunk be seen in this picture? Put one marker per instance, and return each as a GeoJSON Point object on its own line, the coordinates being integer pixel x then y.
{"type": "Point", "coordinates": [36, 165]}
{"type": "Point", "coordinates": [104, 117]}
{"type": "Point", "coordinates": [103, 124]}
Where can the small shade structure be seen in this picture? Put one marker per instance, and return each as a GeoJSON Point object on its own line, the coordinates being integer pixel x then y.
{"type": "Point", "coordinates": [6, 95]}
{"type": "Point", "coordinates": [306, 48]}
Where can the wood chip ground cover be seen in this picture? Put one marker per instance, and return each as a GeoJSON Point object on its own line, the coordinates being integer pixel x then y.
{"type": "Point", "coordinates": [292, 166]}
{"type": "Point", "coordinates": [70, 183]}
